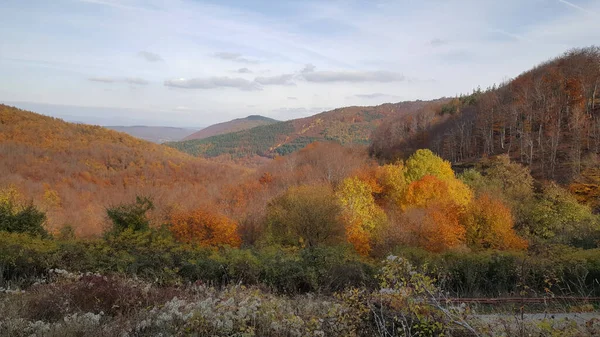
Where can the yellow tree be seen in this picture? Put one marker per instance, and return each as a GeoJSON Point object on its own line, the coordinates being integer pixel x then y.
{"type": "Point", "coordinates": [441, 203]}
{"type": "Point", "coordinates": [489, 224]}
{"type": "Point", "coordinates": [424, 162]}
{"type": "Point", "coordinates": [430, 189]}
{"type": "Point", "coordinates": [391, 178]}
{"type": "Point", "coordinates": [360, 213]}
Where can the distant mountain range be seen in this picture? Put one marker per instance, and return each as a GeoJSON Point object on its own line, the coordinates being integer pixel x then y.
{"type": "Point", "coordinates": [235, 125]}
{"type": "Point", "coordinates": [350, 125]}
{"type": "Point", "coordinates": [155, 134]}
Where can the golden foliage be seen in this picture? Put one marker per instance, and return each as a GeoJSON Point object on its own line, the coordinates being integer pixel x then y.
{"type": "Point", "coordinates": [205, 228]}
{"type": "Point", "coordinates": [489, 224]}
{"type": "Point", "coordinates": [430, 189]}
{"type": "Point", "coordinates": [424, 162]}
{"type": "Point", "coordinates": [361, 215]}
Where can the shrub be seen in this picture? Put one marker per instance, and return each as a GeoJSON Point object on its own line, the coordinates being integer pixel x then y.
{"type": "Point", "coordinates": [93, 294]}
{"type": "Point", "coordinates": [307, 216]}
{"type": "Point", "coordinates": [130, 216]}
{"type": "Point", "coordinates": [23, 258]}
{"type": "Point", "coordinates": [18, 217]}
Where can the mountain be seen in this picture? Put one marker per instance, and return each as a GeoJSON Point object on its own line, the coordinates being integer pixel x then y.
{"type": "Point", "coordinates": [155, 134]}
{"type": "Point", "coordinates": [74, 171]}
{"type": "Point", "coordinates": [547, 118]}
{"type": "Point", "coordinates": [235, 125]}
{"type": "Point", "coordinates": [350, 125]}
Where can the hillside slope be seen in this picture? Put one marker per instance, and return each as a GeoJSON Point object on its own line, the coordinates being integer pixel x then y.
{"type": "Point", "coordinates": [235, 125]}
{"type": "Point", "coordinates": [547, 118]}
{"type": "Point", "coordinates": [74, 171]}
{"type": "Point", "coordinates": [155, 134]}
{"type": "Point", "coordinates": [350, 125]}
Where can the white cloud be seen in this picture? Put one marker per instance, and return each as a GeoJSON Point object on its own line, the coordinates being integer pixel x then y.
{"type": "Point", "coordinates": [284, 79]}
{"type": "Point", "coordinates": [568, 3]}
{"type": "Point", "coordinates": [352, 76]}
{"type": "Point", "coordinates": [212, 83]}
{"type": "Point", "coordinates": [150, 57]}
{"type": "Point", "coordinates": [234, 57]}
{"type": "Point", "coordinates": [375, 95]}
{"type": "Point", "coordinates": [437, 42]}
{"type": "Point", "coordinates": [128, 80]}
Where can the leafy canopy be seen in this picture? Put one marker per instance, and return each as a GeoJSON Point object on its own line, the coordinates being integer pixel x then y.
{"type": "Point", "coordinates": [19, 217]}
{"type": "Point", "coordinates": [306, 215]}
{"type": "Point", "coordinates": [131, 216]}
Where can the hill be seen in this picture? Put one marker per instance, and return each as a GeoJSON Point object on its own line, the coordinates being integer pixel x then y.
{"type": "Point", "coordinates": [547, 118]}
{"type": "Point", "coordinates": [235, 125]}
{"type": "Point", "coordinates": [73, 171]}
{"type": "Point", "coordinates": [350, 125]}
{"type": "Point", "coordinates": [155, 134]}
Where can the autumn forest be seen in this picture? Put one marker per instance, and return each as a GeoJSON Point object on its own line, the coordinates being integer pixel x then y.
{"type": "Point", "coordinates": [384, 211]}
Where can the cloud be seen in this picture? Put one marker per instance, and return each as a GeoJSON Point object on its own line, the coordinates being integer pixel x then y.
{"type": "Point", "coordinates": [310, 75]}
{"type": "Point", "coordinates": [128, 80]}
{"type": "Point", "coordinates": [374, 95]}
{"type": "Point", "coordinates": [299, 111]}
{"type": "Point", "coordinates": [437, 42]}
{"type": "Point", "coordinates": [150, 57]}
{"type": "Point", "coordinates": [513, 36]}
{"type": "Point", "coordinates": [234, 57]}
{"type": "Point", "coordinates": [284, 79]}
{"type": "Point", "coordinates": [570, 4]}
{"type": "Point", "coordinates": [308, 68]}
{"type": "Point", "coordinates": [212, 83]}
{"type": "Point", "coordinates": [244, 71]}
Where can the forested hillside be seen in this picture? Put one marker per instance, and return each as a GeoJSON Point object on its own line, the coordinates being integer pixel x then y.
{"type": "Point", "coordinates": [547, 118]}
{"type": "Point", "coordinates": [350, 125]}
{"type": "Point", "coordinates": [74, 171]}
{"type": "Point", "coordinates": [235, 125]}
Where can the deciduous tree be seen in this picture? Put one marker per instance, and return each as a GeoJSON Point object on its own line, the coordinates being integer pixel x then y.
{"type": "Point", "coordinates": [205, 228]}
{"type": "Point", "coordinates": [307, 216]}
{"type": "Point", "coordinates": [361, 215]}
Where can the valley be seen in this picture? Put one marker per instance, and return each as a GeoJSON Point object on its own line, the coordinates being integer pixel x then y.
{"type": "Point", "coordinates": [359, 221]}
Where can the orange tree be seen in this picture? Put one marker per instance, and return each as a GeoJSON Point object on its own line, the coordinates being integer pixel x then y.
{"type": "Point", "coordinates": [205, 228]}
{"type": "Point", "coordinates": [489, 224]}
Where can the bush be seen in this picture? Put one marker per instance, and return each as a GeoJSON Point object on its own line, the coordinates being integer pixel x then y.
{"type": "Point", "coordinates": [93, 294]}
{"type": "Point", "coordinates": [130, 216]}
{"type": "Point", "coordinates": [23, 258]}
{"type": "Point", "coordinates": [306, 215]}
{"type": "Point", "coordinates": [16, 217]}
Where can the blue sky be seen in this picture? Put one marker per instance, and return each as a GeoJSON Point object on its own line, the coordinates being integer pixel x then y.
{"type": "Point", "coordinates": [194, 63]}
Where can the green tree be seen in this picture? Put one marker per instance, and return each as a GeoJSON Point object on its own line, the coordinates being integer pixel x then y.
{"type": "Point", "coordinates": [556, 216]}
{"type": "Point", "coordinates": [131, 216]}
{"type": "Point", "coordinates": [19, 217]}
{"type": "Point", "coordinates": [509, 181]}
{"type": "Point", "coordinates": [305, 215]}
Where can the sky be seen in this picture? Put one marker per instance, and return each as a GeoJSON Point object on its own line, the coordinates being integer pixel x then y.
{"type": "Point", "coordinates": [195, 63]}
